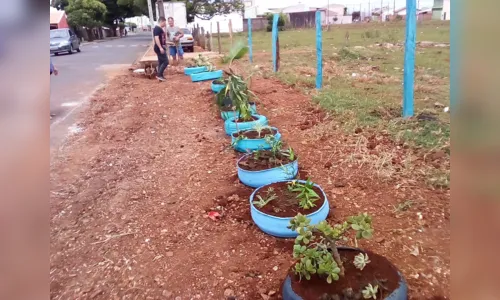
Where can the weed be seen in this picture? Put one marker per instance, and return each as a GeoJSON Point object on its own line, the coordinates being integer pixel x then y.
{"type": "Point", "coordinates": [270, 196]}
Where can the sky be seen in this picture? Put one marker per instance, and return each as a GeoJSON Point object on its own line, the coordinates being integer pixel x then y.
{"type": "Point", "coordinates": [348, 3]}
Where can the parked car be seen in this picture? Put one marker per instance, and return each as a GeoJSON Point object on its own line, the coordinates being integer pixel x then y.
{"type": "Point", "coordinates": [187, 40]}
{"type": "Point", "coordinates": [63, 40]}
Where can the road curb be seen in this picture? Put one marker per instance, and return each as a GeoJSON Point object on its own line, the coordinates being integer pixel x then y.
{"type": "Point", "coordinates": [100, 41]}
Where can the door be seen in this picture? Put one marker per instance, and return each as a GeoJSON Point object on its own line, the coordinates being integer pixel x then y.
{"type": "Point", "coordinates": [73, 39]}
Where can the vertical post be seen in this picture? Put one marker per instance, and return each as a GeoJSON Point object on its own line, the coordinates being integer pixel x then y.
{"type": "Point", "coordinates": [275, 42]}
{"type": "Point", "coordinates": [319, 51]}
{"type": "Point", "coordinates": [250, 52]}
{"type": "Point", "coordinates": [230, 26]}
{"type": "Point", "coordinates": [409, 65]}
{"type": "Point", "coordinates": [151, 19]}
{"type": "Point", "coordinates": [161, 8]}
{"type": "Point", "coordinates": [211, 38]}
{"type": "Point", "coordinates": [218, 37]}
{"type": "Point", "coordinates": [381, 9]}
{"type": "Point", "coordinates": [369, 10]}
{"type": "Point", "coordinates": [454, 67]}
{"type": "Point", "coordinates": [394, 10]}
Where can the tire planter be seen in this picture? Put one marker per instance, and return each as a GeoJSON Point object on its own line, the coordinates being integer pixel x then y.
{"type": "Point", "coordinates": [217, 87]}
{"type": "Point", "coordinates": [257, 179]}
{"type": "Point", "coordinates": [230, 126]}
{"type": "Point", "coordinates": [228, 114]}
{"type": "Point", "coordinates": [246, 145]}
{"type": "Point", "coordinates": [206, 76]}
{"type": "Point", "coordinates": [277, 226]}
{"type": "Point", "coordinates": [400, 293]}
{"type": "Point", "coordinates": [194, 70]}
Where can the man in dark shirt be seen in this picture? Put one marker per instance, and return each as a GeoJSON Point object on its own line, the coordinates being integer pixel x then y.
{"type": "Point", "coordinates": [160, 47]}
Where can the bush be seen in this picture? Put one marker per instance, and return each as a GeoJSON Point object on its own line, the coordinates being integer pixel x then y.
{"type": "Point", "coordinates": [281, 22]}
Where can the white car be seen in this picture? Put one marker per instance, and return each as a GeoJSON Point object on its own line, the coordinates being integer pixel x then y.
{"type": "Point", "coordinates": [187, 40]}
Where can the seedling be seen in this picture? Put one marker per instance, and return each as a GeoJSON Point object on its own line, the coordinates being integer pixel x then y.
{"type": "Point", "coordinates": [307, 196]}
{"type": "Point", "coordinates": [316, 245]}
{"type": "Point", "coordinates": [202, 61]}
{"type": "Point", "coordinates": [370, 292]}
{"type": "Point", "coordinates": [361, 260]}
{"type": "Point", "coordinates": [259, 128]}
{"type": "Point", "coordinates": [270, 196]}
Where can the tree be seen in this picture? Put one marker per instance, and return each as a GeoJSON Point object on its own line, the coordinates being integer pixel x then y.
{"type": "Point", "coordinates": [203, 9]}
{"type": "Point", "coordinates": [59, 4]}
{"type": "Point", "coordinates": [86, 13]}
{"type": "Point", "coordinates": [118, 10]}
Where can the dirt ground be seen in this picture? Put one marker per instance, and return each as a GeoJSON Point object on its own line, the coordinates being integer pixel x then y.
{"type": "Point", "coordinates": [130, 195]}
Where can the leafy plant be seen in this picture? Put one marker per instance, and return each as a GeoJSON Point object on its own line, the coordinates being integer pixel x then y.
{"type": "Point", "coordinates": [270, 196]}
{"type": "Point", "coordinates": [202, 61]}
{"type": "Point", "coordinates": [259, 128]}
{"type": "Point", "coordinates": [307, 196]}
{"type": "Point", "coordinates": [316, 246]}
{"type": "Point", "coordinates": [361, 260]}
{"type": "Point", "coordinates": [236, 91]}
{"type": "Point", "coordinates": [370, 292]}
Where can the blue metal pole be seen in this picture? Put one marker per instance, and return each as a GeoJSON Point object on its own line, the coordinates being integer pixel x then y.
{"type": "Point", "coordinates": [319, 51]}
{"type": "Point", "coordinates": [454, 68]}
{"type": "Point", "coordinates": [409, 65]}
{"type": "Point", "coordinates": [275, 39]}
{"type": "Point", "coordinates": [250, 54]}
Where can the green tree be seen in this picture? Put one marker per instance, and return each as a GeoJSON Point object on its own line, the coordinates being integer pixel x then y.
{"type": "Point", "coordinates": [59, 4]}
{"type": "Point", "coordinates": [86, 13]}
{"type": "Point", "coordinates": [203, 9]}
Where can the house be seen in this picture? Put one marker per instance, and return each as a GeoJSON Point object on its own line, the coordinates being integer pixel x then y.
{"type": "Point", "coordinates": [441, 10]}
{"type": "Point", "coordinates": [385, 13]}
{"type": "Point", "coordinates": [58, 19]}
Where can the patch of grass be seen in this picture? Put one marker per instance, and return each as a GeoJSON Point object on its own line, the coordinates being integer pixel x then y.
{"type": "Point", "coordinates": [439, 179]}
{"type": "Point", "coordinates": [403, 206]}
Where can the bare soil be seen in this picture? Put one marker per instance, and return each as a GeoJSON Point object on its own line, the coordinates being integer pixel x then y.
{"type": "Point", "coordinates": [263, 161]}
{"type": "Point", "coordinates": [286, 205]}
{"type": "Point", "coordinates": [254, 134]}
{"type": "Point", "coordinates": [378, 272]}
{"type": "Point", "coordinates": [130, 199]}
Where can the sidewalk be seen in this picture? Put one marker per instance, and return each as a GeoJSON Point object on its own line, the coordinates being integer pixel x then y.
{"type": "Point", "coordinates": [100, 41]}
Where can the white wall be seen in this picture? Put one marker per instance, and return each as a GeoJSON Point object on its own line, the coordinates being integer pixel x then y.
{"type": "Point", "coordinates": [445, 15]}
{"type": "Point", "coordinates": [236, 19]}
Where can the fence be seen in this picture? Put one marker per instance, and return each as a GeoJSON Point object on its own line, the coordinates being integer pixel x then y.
{"type": "Point", "coordinates": [258, 24]}
{"type": "Point", "coordinates": [306, 19]}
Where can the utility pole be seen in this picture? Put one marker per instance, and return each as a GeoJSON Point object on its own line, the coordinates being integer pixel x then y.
{"type": "Point", "coordinates": [151, 19]}
{"type": "Point", "coordinates": [370, 9]}
{"type": "Point", "coordinates": [394, 11]}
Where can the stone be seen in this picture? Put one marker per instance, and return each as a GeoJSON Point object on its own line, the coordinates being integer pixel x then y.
{"type": "Point", "coordinates": [166, 293]}
{"type": "Point", "coordinates": [228, 293]}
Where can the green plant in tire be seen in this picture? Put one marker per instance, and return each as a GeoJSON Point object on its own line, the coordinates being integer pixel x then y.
{"type": "Point", "coordinates": [263, 201]}
{"type": "Point", "coordinates": [306, 194]}
{"type": "Point", "coordinates": [236, 89]}
{"type": "Point", "coordinates": [202, 61]}
{"type": "Point", "coordinates": [370, 291]}
{"type": "Point", "coordinates": [315, 246]}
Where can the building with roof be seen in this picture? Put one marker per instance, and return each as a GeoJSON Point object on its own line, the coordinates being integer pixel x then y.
{"type": "Point", "coordinates": [58, 19]}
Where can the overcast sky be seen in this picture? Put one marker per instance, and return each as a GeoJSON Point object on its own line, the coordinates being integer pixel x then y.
{"type": "Point", "coordinates": [348, 3]}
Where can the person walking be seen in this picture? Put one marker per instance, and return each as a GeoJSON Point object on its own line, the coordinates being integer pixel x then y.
{"type": "Point", "coordinates": [175, 34]}
{"type": "Point", "coordinates": [160, 47]}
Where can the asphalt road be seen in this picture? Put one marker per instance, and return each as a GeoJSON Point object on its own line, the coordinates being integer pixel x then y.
{"type": "Point", "coordinates": [81, 74]}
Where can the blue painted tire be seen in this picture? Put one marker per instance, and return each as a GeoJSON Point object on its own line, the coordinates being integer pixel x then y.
{"type": "Point", "coordinates": [277, 226]}
{"type": "Point", "coordinates": [247, 145]}
{"type": "Point", "coordinates": [257, 179]}
{"type": "Point", "coordinates": [401, 293]}
{"type": "Point", "coordinates": [228, 114]}
{"type": "Point", "coordinates": [230, 126]}
{"type": "Point", "coordinates": [206, 76]}
{"type": "Point", "coordinates": [217, 87]}
{"type": "Point", "coordinates": [194, 70]}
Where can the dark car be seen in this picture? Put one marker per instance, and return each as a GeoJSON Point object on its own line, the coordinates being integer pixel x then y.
{"type": "Point", "coordinates": [63, 40]}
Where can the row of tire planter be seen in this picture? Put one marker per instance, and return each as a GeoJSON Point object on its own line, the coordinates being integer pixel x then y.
{"type": "Point", "coordinates": [277, 226]}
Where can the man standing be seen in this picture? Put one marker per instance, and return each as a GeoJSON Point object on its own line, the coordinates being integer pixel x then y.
{"type": "Point", "coordinates": [175, 35]}
{"type": "Point", "coordinates": [160, 50]}
{"type": "Point", "coordinates": [53, 70]}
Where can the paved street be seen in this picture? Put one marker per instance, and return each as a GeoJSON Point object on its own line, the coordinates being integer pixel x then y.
{"type": "Point", "coordinates": [81, 74]}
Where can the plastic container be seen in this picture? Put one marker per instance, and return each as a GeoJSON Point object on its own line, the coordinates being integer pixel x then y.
{"type": "Point", "coordinates": [206, 76]}
{"type": "Point", "coordinates": [228, 114]}
{"type": "Point", "coordinates": [401, 293]}
{"type": "Point", "coordinates": [277, 226]}
{"type": "Point", "coordinates": [217, 87]}
{"type": "Point", "coordinates": [194, 70]}
{"type": "Point", "coordinates": [249, 145]}
{"type": "Point", "coordinates": [230, 127]}
{"type": "Point", "coordinates": [257, 179]}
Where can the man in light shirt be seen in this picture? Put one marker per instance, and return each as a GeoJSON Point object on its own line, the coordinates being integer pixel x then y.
{"type": "Point", "coordinates": [174, 35]}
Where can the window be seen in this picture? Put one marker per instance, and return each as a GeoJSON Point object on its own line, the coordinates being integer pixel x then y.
{"type": "Point", "coordinates": [58, 33]}
{"type": "Point", "coordinates": [186, 31]}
